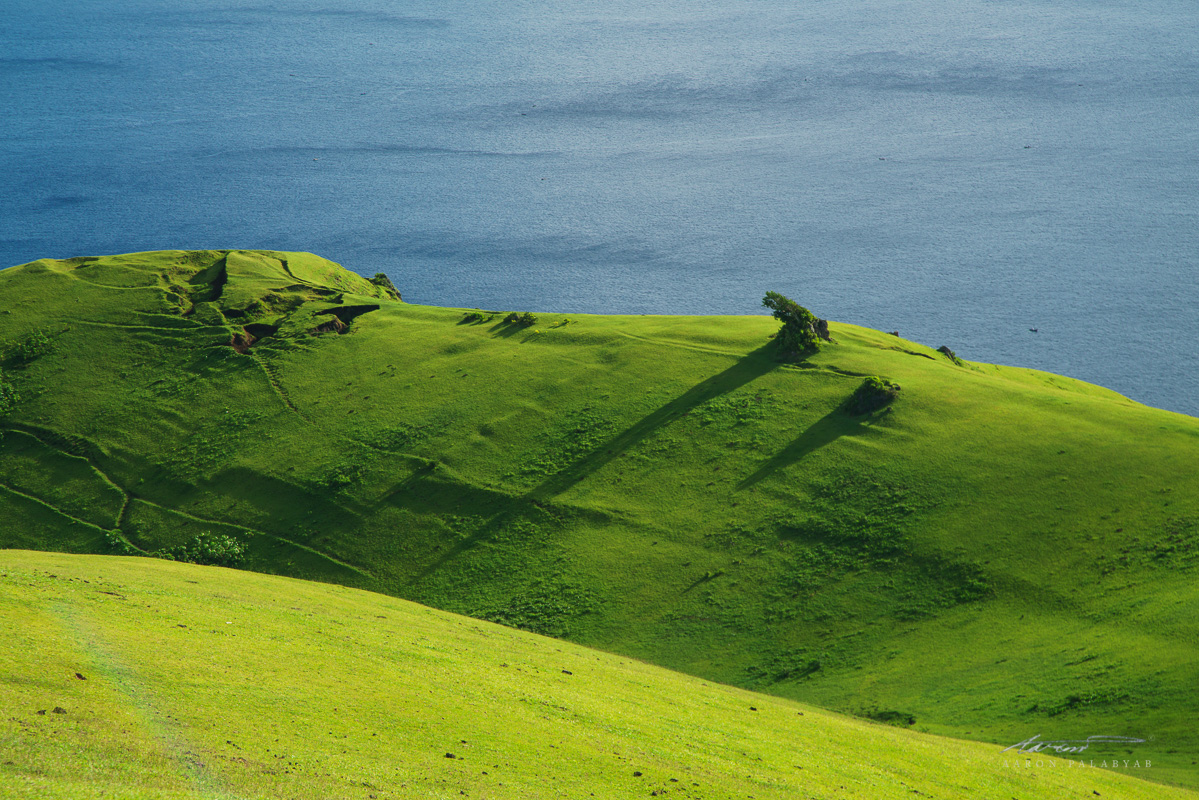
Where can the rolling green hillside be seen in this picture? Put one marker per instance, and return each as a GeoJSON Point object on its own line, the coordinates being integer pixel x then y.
{"type": "Point", "coordinates": [998, 553]}
{"type": "Point", "coordinates": [135, 678]}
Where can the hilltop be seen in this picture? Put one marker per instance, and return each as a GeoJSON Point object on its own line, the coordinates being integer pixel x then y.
{"type": "Point", "coordinates": [999, 552]}
{"type": "Point", "coordinates": [140, 679]}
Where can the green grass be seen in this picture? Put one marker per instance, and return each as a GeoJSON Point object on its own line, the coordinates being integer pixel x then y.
{"type": "Point", "coordinates": [996, 553]}
{"type": "Point", "coordinates": [133, 678]}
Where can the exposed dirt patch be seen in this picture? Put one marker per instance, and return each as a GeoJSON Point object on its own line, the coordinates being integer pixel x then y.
{"type": "Point", "coordinates": [250, 335]}
{"type": "Point", "coordinates": [334, 325]}
{"type": "Point", "coordinates": [241, 342]}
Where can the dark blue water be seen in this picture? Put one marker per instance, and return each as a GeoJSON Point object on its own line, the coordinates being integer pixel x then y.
{"type": "Point", "coordinates": [957, 170]}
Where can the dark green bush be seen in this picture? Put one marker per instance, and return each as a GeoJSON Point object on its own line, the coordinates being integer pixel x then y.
{"type": "Point", "coordinates": [526, 319]}
{"type": "Point", "coordinates": [800, 326]}
{"type": "Point", "coordinates": [216, 550]}
{"type": "Point", "coordinates": [873, 394]}
{"type": "Point", "coordinates": [29, 347]}
{"type": "Point", "coordinates": [118, 544]}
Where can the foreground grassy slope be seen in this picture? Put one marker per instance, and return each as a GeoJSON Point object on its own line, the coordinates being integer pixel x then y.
{"type": "Point", "coordinates": [1000, 553]}
{"type": "Point", "coordinates": [163, 680]}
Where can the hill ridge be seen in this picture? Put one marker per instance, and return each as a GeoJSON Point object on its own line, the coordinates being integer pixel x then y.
{"type": "Point", "coordinates": [704, 507]}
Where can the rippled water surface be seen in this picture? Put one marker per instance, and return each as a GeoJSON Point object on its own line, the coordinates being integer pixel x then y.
{"type": "Point", "coordinates": [958, 170]}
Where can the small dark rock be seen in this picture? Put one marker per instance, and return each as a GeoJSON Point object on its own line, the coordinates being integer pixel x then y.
{"type": "Point", "coordinates": [59, 710]}
{"type": "Point", "coordinates": [751, 708]}
{"type": "Point", "coordinates": [80, 676]}
{"type": "Point", "coordinates": [635, 773]}
{"type": "Point", "coordinates": [450, 755]}
{"type": "Point", "coordinates": [42, 713]}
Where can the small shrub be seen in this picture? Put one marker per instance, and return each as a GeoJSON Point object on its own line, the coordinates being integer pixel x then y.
{"type": "Point", "coordinates": [118, 543]}
{"type": "Point", "coordinates": [217, 550]}
{"type": "Point", "coordinates": [952, 356]}
{"type": "Point", "coordinates": [29, 347]}
{"type": "Point", "coordinates": [873, 394]}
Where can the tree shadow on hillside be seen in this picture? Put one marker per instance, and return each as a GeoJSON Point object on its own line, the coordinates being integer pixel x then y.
{"type": "Point", "coordinates": [751, 367]}
{"type": "Point", "coordinates": [444, 496]}
{"type": "Point", "coordinates": [826, 430]}
{"type": "Point", "coordinates": [283, 503]}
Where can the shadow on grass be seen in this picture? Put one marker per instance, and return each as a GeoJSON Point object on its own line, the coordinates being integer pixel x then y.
{"type": "Point", "coordinates": [441, 496]}
{"type": "Point", "coordinates": [506, 330]}
{"type": "Point", "coordinates": [754, 365]}
{"type": "Point", "coordinates": [827, 429]}
{"type": "Point", "coordinates": [281, 501]}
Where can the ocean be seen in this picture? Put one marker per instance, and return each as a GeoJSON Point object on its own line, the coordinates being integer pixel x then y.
{"type": "Point", "coordinates": [1016, 179]}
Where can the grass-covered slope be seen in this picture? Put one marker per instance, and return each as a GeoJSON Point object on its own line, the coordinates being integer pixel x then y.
{"type": "Point", "coordinates": [134, 678]}
{"type": "Point", "coordinates": [998, 553]}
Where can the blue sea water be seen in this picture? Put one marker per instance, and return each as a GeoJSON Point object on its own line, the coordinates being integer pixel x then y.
{"type": "Point", "coordinates": [958, 170]}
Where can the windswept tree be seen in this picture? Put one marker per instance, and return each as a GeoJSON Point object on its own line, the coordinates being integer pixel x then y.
{"type": "Point", "coordinates": [802, 330]}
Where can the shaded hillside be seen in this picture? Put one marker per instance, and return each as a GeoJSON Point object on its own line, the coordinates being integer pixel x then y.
{"type": "Point", "coordinates": [998, 552]}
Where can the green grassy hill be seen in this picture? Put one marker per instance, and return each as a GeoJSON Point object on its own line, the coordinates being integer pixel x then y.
{"type": "Point", "coordinates": [135, 678]}
{"type": "Point", "coordinates": [999, 553]}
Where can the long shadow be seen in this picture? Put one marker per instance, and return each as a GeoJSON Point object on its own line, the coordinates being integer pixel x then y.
{"type": "Point", "coordinates": [435, 495]}
{"type": "Point", "coordinates": [506, 330]}
{"type": "Point", "coordinates": [827, 429]}
{"type": "Point", "coordinates": [281, 501]}
{"type": "Point", "coordinates": [754, 365]}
